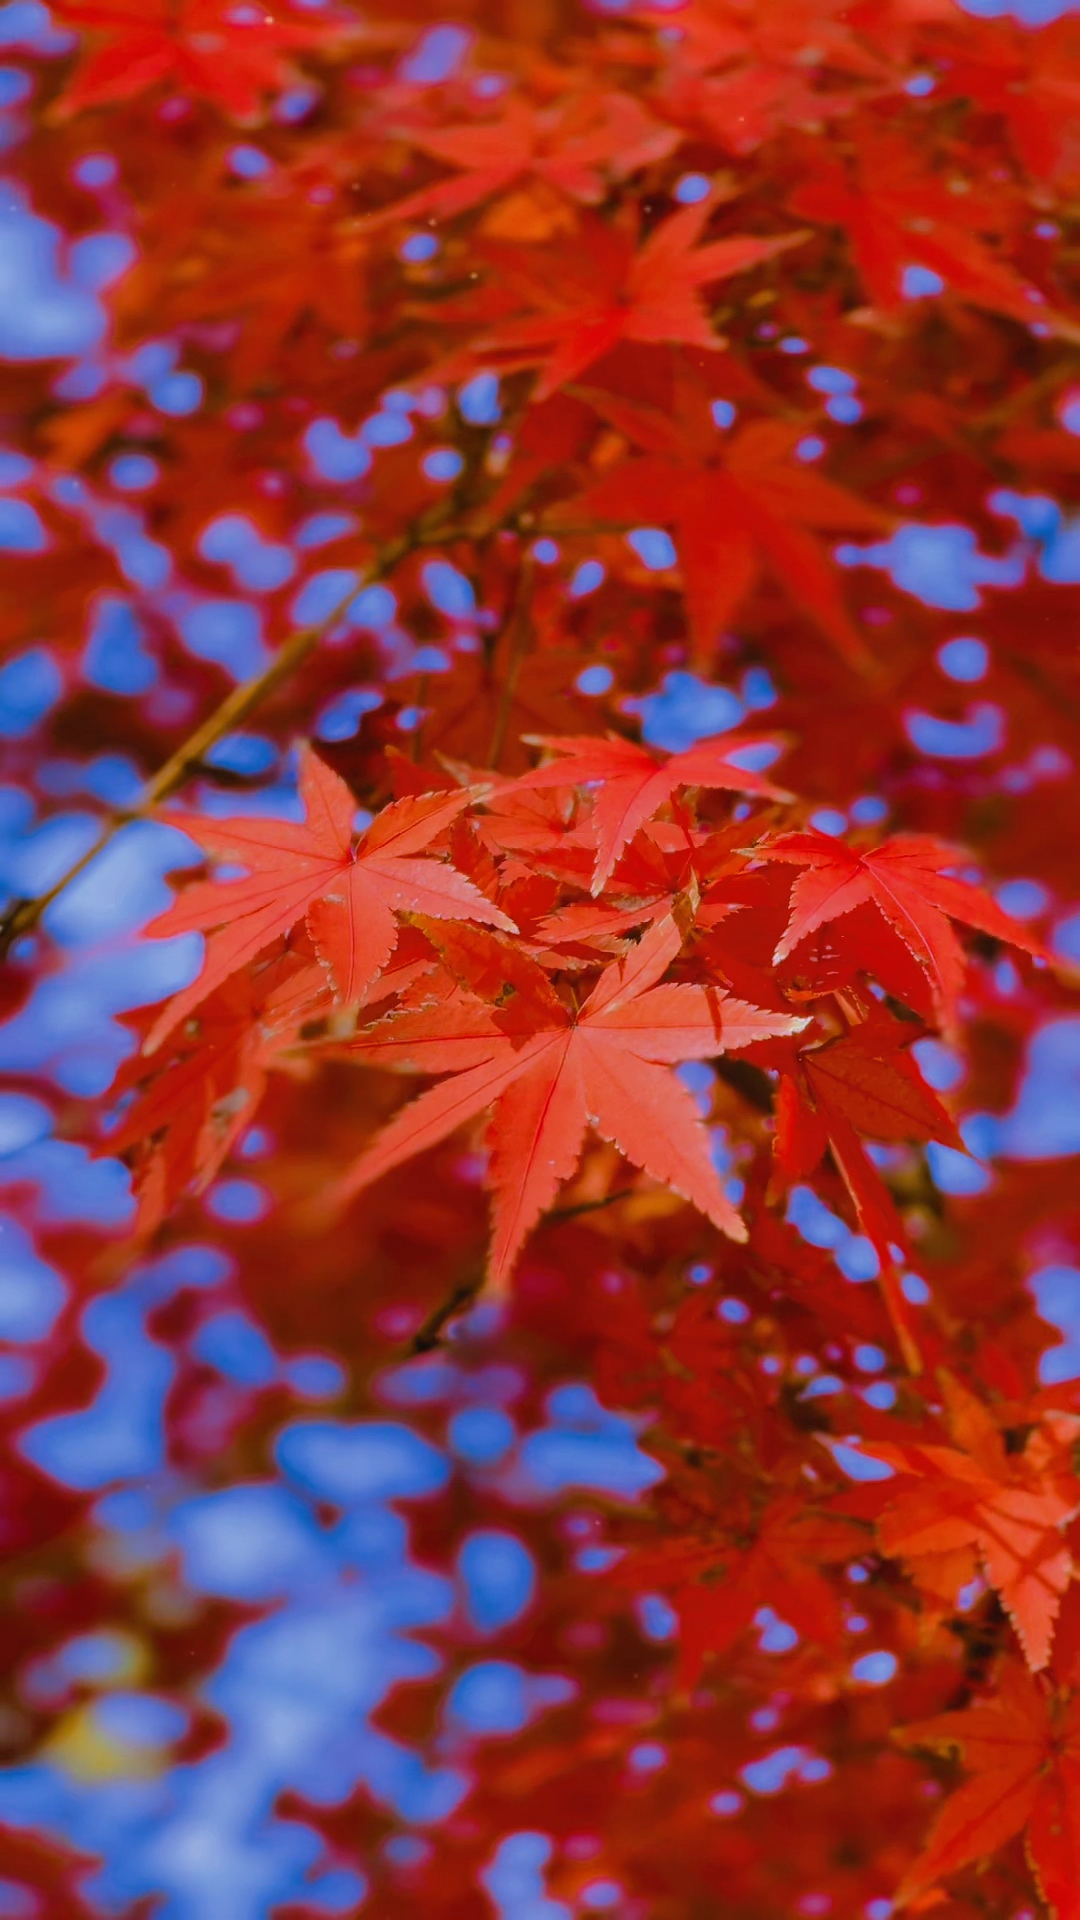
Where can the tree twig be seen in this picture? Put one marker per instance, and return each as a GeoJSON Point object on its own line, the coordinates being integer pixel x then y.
{"type": "Point", "coordinates": [518, 632]}
{"type": "Point", "coordinates": [22, 916]}
{"type": "Point", "coordinates": [428, 1336]}
{"type": "Point", "coordinates": [591, 1206]}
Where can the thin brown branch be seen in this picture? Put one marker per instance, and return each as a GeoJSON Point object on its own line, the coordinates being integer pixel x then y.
{"type": "Point", "coordinates": [23, 915]}
{"type": "Point", "coordinates": [518, 633]}
{"type": "Point", "coordinates": [591, 1206]}
{"type": "Point", "coordinates": [428, 1336]}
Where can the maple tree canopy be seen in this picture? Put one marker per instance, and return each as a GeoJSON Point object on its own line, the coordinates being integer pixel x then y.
{"type": "Point", "coordinates": [540, 1273]}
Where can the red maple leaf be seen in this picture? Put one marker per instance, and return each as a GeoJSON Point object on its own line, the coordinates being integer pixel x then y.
{"type": "Point", "coordinates": [230, 54]}
{"type": "Point", "coordinates": [288, 255]}
{"type": "Point", "coordinates": [1023, 1751]}
{"type": "Point", "coordinates": [895, 212]}
{"type": "Point", "coordinates": [717, 1586]}
{"type": "Point", "coordinates": [1032, 82]}
{"type": "Point", "coordinates": [587, 298]}
{"type": "Point", "coordinates": [570, 146]}
{"type": "Point", "coordinates": [201, 1091]}
{"type": "Point", "coordinates": [909, 880]}
{"type": "Point", "coordinates": [864, 1080]}
{"type": "Point", "coordinates": [632, 784]}
{"type": "Point", "coordinates": [876, 1085]}
{"type": "Point", "coordinates": [549, 1071]}
{"type": "Point", "coordinates": [594, 923]}
{"type": "Point", "coordinates": [862, 1083]}
{"type": "Point", "coordinates": [348, 887]}
{"type": "Point", "coordinates": [975, 1504]}
{"type": "Point", "coordinates": [737, 505]}
{"type": "Point", "coordinates": [740, 83]}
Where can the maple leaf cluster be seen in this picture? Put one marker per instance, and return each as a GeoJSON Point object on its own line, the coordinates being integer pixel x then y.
{"type": "Point", "coordinates": [525, 1023]}
{"type": "Point", "coordinates": [567, 509]}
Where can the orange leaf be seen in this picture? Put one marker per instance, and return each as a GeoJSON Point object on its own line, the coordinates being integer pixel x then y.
{"type": "Point", "coordinates": [551, 1073]}
{"type": "Point", "coordinates": [348, 891]}
{"type": "Point", "coordinates": [1023, 1751]}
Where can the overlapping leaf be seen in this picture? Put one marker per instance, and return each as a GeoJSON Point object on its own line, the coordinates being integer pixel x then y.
{"type": "Point", "coordinates": [1022, 1749]}
{"type": "Point", "coordinates": [974, 1505]}
{"type": "Point", "coordinates": [738, 506]}
{"type": "Point", "coordinates": [912, 882]}
{"type": "Point", "coordinates": [631, 784]}
{"type": "Point", "coordinates": [202, 46]}
{"type": "Point", "coordinates": [347, 887]}
{"type": "Point", "coordinates": [549, 1072]}
{"type": "Point", "coordinates": [603, 289]}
